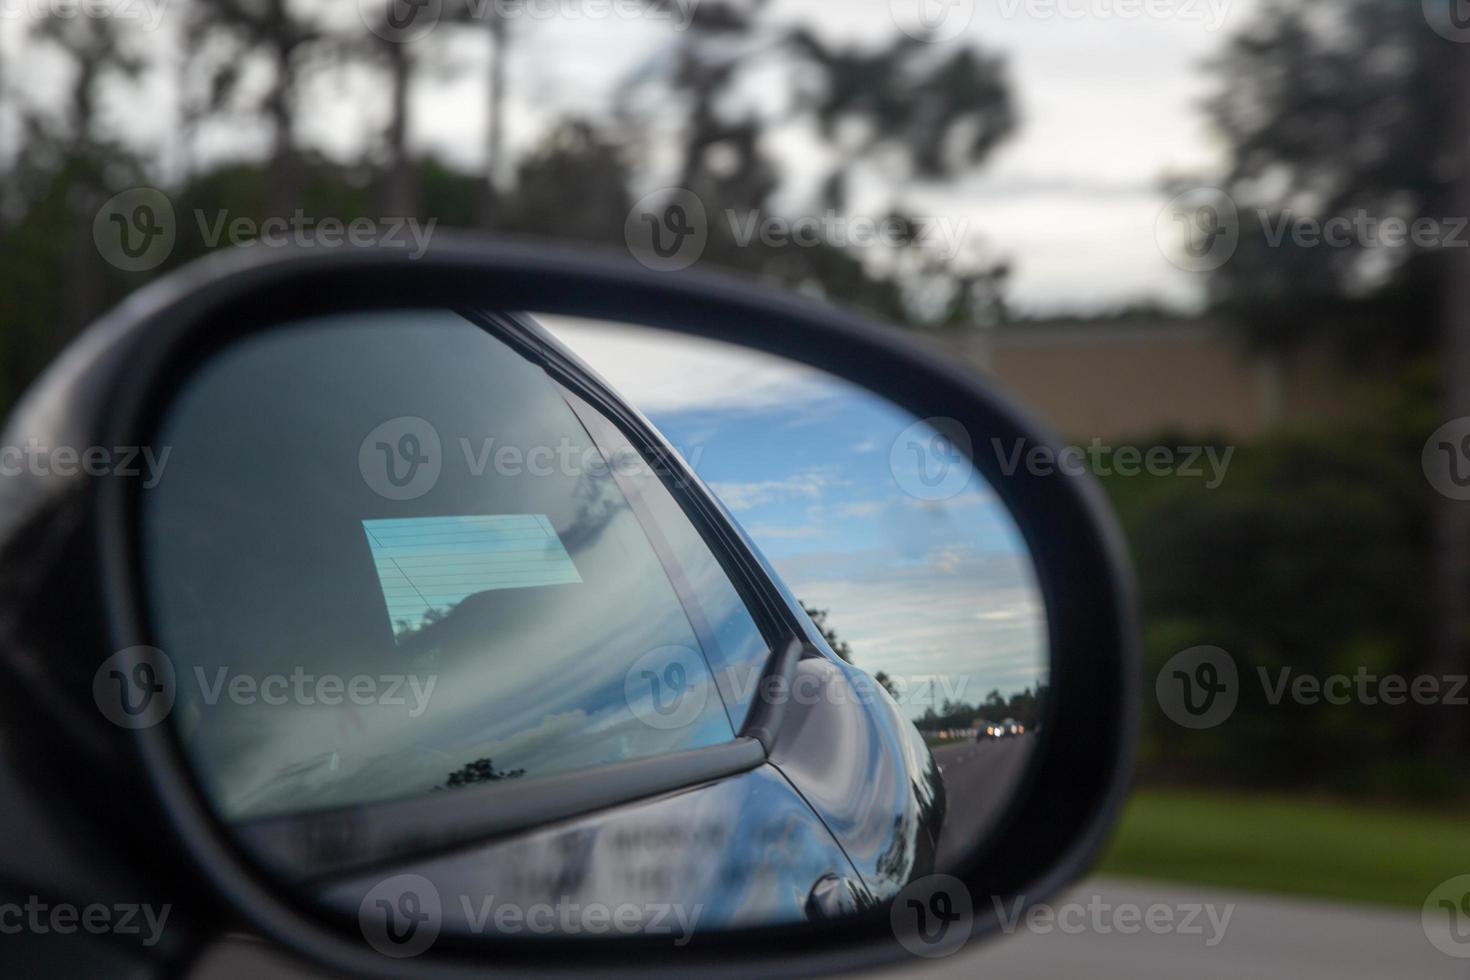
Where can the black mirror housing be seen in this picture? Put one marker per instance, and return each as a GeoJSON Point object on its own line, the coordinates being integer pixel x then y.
{"type": "Point", "coordinates": [74, 593]}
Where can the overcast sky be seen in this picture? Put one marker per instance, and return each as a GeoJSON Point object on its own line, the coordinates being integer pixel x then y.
{"type": "Point", "coordinates": [1108, 106]}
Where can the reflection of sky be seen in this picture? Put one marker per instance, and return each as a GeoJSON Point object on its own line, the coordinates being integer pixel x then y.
{"type": "Point", "coordinates": [923, 590]}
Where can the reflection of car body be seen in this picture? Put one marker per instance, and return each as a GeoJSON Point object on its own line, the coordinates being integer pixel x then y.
{"type": "Point", "coordinates": [753, 810]}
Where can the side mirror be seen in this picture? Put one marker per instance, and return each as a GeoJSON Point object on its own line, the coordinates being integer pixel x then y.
{"type": "Point", "coordinates": [511, 607]}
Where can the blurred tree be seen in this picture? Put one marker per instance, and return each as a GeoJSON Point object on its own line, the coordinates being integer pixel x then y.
{"type": "Point", "coordinates": [940, 112]}
{"type": "Point", "coordinates": [936, 111]}
{"type": "Point", "coordinates": [1341, 112]}
{"type": "Point", "coordinates": [493, 22]}
{"type": "Point", "coordinates": [916, 110]}
{"type": "Point", "coordinates": [574, 185]}
{"type": "Point", "coordinates": [498, 29]}
{"type": "Point", "coordinates": [292, 45]}
{"type": "Point", "coordinates": [1308, 559]}
{"type": "Point", "coordinates": [1329, 112]}
{"type": "Point", "coordinates": [67, 165]}
{"type": "Point", "coordinates": [400, 188]}
{"type": "Point", "coordinates": [1451, 641]}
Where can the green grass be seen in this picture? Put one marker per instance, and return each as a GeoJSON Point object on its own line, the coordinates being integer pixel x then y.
{"type": "Point", "coordinates": [1289, 846]}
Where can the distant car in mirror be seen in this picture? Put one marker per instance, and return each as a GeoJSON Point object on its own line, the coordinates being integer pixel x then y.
{"type": "Point", "coordinates": [1009, 728]}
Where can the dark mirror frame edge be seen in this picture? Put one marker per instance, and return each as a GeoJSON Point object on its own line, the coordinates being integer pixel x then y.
{"type": "Point", "coordinates": [111, 385]}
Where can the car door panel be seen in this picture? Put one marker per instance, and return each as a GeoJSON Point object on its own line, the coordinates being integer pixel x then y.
{"type": "Point", "coordinates": [845, 747]}
{"type": "Point", "coordinates": [741, 851]}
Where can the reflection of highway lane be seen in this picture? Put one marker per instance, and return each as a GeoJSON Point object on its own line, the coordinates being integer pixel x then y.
{"type": "Point", "coordinates": [979, 779]}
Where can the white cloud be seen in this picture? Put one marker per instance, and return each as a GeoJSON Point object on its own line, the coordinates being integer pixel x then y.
{"type": "Point", "coordinates": [759, 531]}
{"type": "Point", "coordinates": [947, 560]}
{"type": "Point", "coordinates": [808, 485]}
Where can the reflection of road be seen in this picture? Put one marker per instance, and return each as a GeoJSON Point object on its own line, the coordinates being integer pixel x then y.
{"type": "Point", "coordinates": [979, 780]}
{"type": "Point", "coordinates": [1266, 937]}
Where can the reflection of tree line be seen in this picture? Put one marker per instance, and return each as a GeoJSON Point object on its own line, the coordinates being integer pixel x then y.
{"type": "Point", "coordinates": [1023, 706]}
{"type": "Point", "coordinates": [404, 632]}
{"type": "Point", "coordinates": [839, 646]}
{"type": "Point", "coordinates": [479, 771]}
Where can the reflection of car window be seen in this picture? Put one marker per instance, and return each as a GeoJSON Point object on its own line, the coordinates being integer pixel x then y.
{"type": "Point", "coordinates": [733, 642]}
{"type": "Point", "coordinates": [335, 643]}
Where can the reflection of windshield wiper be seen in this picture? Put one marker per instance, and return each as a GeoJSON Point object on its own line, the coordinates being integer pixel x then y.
{"type": "Point", "coordinates": [479, 771]}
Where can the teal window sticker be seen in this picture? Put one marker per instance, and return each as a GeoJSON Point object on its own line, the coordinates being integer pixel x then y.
{"type": "Point", "coordinates": [428, 565]}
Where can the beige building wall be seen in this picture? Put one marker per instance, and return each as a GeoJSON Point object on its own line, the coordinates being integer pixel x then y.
{"type": "Point", "coordinates": [1123, 379]}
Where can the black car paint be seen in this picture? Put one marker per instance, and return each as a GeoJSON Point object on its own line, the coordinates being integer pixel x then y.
{"type": "Point", "coordinates": [745, 851]}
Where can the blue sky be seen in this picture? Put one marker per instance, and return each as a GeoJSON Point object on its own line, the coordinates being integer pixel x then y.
{"type": "Point", "coordinates": [924, 590]}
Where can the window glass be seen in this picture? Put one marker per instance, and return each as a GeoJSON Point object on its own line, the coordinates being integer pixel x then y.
{"type": "Point", "coordinates": [737, 651]}
{"type": "Point", "coordinates": [388, 560]}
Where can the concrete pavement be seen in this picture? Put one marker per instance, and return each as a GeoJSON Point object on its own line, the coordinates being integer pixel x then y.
{"type": "Point", "coordinates": [1264, 937]}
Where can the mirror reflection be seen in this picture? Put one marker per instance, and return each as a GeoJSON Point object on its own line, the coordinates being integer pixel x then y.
{"type": "Point", "coordinates": [444, 611]}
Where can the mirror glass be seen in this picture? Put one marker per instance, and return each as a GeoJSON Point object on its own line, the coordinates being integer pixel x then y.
{"type": "Point", "coordinates": [455, 633]}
